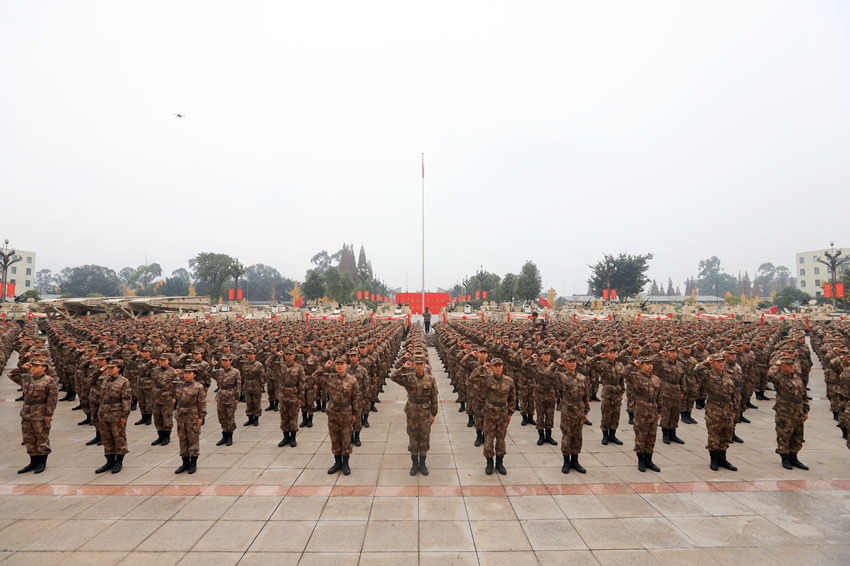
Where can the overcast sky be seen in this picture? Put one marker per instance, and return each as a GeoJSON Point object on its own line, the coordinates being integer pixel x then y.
{"type": "Point", "coordinates": [552, 131]}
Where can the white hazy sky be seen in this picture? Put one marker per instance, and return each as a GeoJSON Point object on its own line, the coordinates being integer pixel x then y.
{"type": "Point", "coordinates": [552, 131]}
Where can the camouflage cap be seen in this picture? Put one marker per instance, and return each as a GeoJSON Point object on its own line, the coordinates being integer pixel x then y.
{"type": "Point", "coordinates": [289, 351]}
{"type": "Point", "coordinates": [227, 357]}
{"type": "Point", "coordinates": [39, 362]}
{"type": "Point", "coordinates": [496, 362]}
{"type": "Point", "coordinates": [340, 360]}
{"type": "Point", "coordinates": [116, 363]}
{"type": "Point", "coordinates": [249, 349]}
{"type": "Point", "coordinates": [670, 348]}
{"type": "Point", "coordinates": [569, 357]}
{"type": "Point", "coordinates": [419, 360]}
{"type": "Point", "coordinates": [353, 352]}
{"type": "Point", "coordinates": [718, 357]}
{"type": "Point", "coordinates": [191, 367]}
{"type": "Point", "coordinates": [786, 360]}
{"type": "Point", "coordinates": [645, 360]}
{"type": "Point", "coordinates": [528, 346]}
{"type": "Point", "coordinates": [165, 356]}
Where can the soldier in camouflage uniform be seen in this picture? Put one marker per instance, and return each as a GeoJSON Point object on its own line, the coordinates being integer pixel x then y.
{"type": "Point", "coordinates": [344, 400]}
{"type": "Point", "coordinates": [163, 392]}
{"type": "Point", "coordinates": [97, 378]}
{"type": "Point", "coordinates": [421, 409]}
{"type": "Point", "coordinates": [499, 396]}
{"type": "Point", "coordinates": [672, 377]}
{"type": "Point", "coordinates": [610, 372]}
{"type": "Point", "coordinates": [290, 391]}
{"type": "Point", "coordinates": [719, 392]}
{"type": "Point", "coordinates": [362, 376]}
{"type": "Point", "coordinates": [574, 392]}
{"type": "Point", "coordinates": [253, 382]}
{"type": "Point", "coordinates": [228, 392]}
{"type": "Point", "coordinates": [645, 387]}
{"type": "Point", "coordinates": [41, 393]}
{"type": "Point", "coordinates": [792, 409]}
{"type": "Point", "coordinates": [310, 363]}
{"type": "Point", "coordinates": [691, 391]}
{"type": "Point", "coordinates": [474, 393]}
{"type": "Point", "coordinates": [144, 366]}
{"type": "Point", "coordinates": [526, 384]}
{"type": "Point", "coordinates": [116, 397]}
{"type": "Point", "coordinates": [545, 395]}
{"type": "Point", "coordinates": [191, 408]}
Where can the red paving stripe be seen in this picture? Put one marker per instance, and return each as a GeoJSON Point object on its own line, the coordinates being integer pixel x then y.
{"type": "Point", "coordinates": [425, 491]}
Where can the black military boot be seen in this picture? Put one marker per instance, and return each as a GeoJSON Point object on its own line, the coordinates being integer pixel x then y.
{"type": "Point", "coordinates": [337, 464]}
{"type": "Point", "coordinates": [303, 422]}
{"type": "Point", "coordinates": [85, 421]}
{"type": "Point", "coordinates": [470, 421]}
{"type": "Point", "coordinates": [158, 438]}
{"type": "Point", "coordinates": [844, 432]}
{"type": "Point", "coordinates": [673, 437]}
{"type": "Point", "coordinates": [744, 419]}
{"type": "Point", "coordinates": [183, 467]}
{"type": "Point", "coordinates": [612, 437]}
{"type": "Point", "coordinates": [500, 466]}
{"type": "Point", "coordinates": [309, 421]}
{"type": "Point", "coordinates": [565, 469]}
{"type": "Point", "coordinates": [318, 406]}
{"type": "Point", "coordinates": [29, 467]}
{"type": "Point", "coordinates": [229, 438]}
{"type": "Point", "coordinates": [149, 419]}
{"type": "Point", "coordinates": [761, 396]}
{"type": "Point", "coordinates": [834, 415]}
{"type": "Point", "coordinates": [69, 396]}
{"type": "Point", "coordinates": [141, 421]}
{"type": "Point", "coordinates": [422, 468]}
{"type": "Point", "coordinates": [345, 469]}
{"type": "Point", "coordinates": [366, 420]}
{"type": "Point", "coordinates": [786, 461]}
{"type": "Point", "coordinates": [665, 435]}
{"type": "Point", "coordinates": [524, 420]}
{"type": "Point", "coordinates": [41, 464]}
{"type": "Point", "coordinates": [285, 440]}
{"type": "Point", "coordinates": [691, 419]}
{"type": "Point", "coordinates": [119, 463]}
{"type": "Point", "coordinates": [134, 405]}
{"type": "Point", "coordinates": [575, 465]}
{"type": "Point", "coordinates": [462, 407]}
{"type": "Point", "coordinates": [541, 436]}
{"type": "Point", "coordinates": [797, 463]}
{"type": "Point", "coordinates": [110, 462]}
{"type": "Point", "coordinates": [77, 408]}
{"type": "Point", "coordinates": [595, 398]}
{"type": "Point", "coordinates": [223, 439]}
{"type": "Point", "coordinates": [604, 437]}
{"type": "Point", "coordinates": [372, 407]}
{"type": "Point", "coordinates": [683, 416]}
{"type": "Point", "coordinates": [641, 462]}
{"type": "Point", "coordinates": [270, 407]}
{"type": "Point", "coordinates": [357, 439]}
{"type": "Point", "coordinates": [193, 464]}
{"type": "Point", "coordinates": [414, 469]}
{"type": "Point", "coordinates": [631, 418]}
{"type": "Point", "coordinates": [324, 406]}
{"type": "Point", "coordinates": [256, 420]}
{"type": "Point", "coordinates": [700, 404]}
{"type": "Point", "coordinates": [714, 457]}
{"type": "Point", "coordinates": [750, 405]}
{"type": "Point", "coordinates": [723, 462]}
{"type": "Point", "coordinates": [95, 440]}
{"type": "Point", "coordinates": [549, 438]}
{"type": "Point", "coordinates": [736, 438]}
{"type": "Point", "coordinates": [531, 420]}
{"type": "Point", "coordinates": [489, 469]}
{"type": "Point", "coordinates": [587, 423]}
{"type": "Point", "coordinates": [249, 422]}
{"type": "Point", "coordinates": [647, 460]}
{"type": "Point", "coordinates": [292, 443]}
{"type": "Point", "coordinates": [166, 437]}
{"type": "Point", "coordinates": [479, 437]}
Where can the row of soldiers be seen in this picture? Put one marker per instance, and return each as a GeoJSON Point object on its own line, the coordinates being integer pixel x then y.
{"type": "Point", "coordinates": [118, 366]}
{"type": "Point", "coordinates": [746, 357]}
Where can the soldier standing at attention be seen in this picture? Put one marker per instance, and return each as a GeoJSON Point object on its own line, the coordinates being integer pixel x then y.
{"type": "Point", "coordinates": [720, 408]}
{"type": "Point", "coordinates": [116, 397]}
{"type": "Point", "coordinates": [645, 387]}
{"type": "Point", "coordinates": [421, 409]}
{"type": "Point", "coordinates": [672, 376]}
{"type": "Point", "coordinates": [191, 407]}
{"type": "Point", "coordinates": [97, 380]}
{"type": "Point", "coordinates": [290, 391]}
{"type": "Point", "coordinates": [792, 410]}
{"type": "Point", "coordinates": [525, 387]}
{"type": "Point", "coordinates": [575, 404]}
{"type": "Point", "coordinates": [254, 379]}
{"type": "Point", "coordinates": [545, 397]}
{"type": "Point", "coordinates": [610, 373]}
{"type": "Point", "coordinates": [426, 316]}
{"type": "Point", "coordinates": [41, 393]}
{"type": "Point", "coordinates": [364, 381]}
{"type": "Point", "coordinates": [343, 393]}
{"type": "Point", "coordinates": [163, 393]}
{"type": "Point", "coordinates": [499, 404]}
{"type": "Point", "coordinates": [475, 393]}
{"type": "Point", "coordinates": [229, 389]}
{"type": "Point", "coordinates": [144, 366]}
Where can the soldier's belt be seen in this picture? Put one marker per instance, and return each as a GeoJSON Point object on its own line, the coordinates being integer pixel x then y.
{"type": "Point", "coordinates": [644, 399]}
{"type": "Point", "coordinates": [419, 401]}
{"type": "Point", "coordinates": [186, 405]}
{"type": "Point", "coordinates": [495, 404]}
{"type": "Point", "coordinates": [35, 402]}
{"type": "Point", "coordinates": [717, 399]}
{"type": "Point", "coordinates": [340, 405]}
{"type": "Point", "coordinates": [789, 400]}
{"type": "Point", "coordinates": [288, 384]}
{"type": "Point", "coordinates": [110, 401]}
{"type": "Point", "coordinates": [572, 399]}
{"type": "Point", "coordinates": [611, 383]}
{"type": "Point", "coordinates": [669, 381]}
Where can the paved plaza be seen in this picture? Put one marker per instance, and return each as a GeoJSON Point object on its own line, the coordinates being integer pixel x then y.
{"type": "Point", "coordinates": [255, 503]}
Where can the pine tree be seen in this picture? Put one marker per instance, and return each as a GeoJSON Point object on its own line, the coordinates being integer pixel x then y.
{"type": "Point", "coordinates": [346, 261]}
{"type": "Point", "coordinates": [670, 291]}
{"type": "Point", "coordinates": [654, 292]}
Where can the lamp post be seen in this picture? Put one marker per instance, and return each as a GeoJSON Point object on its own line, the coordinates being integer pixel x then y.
{"type": "Point", "coordinates": [481, 276]}
{"type": "Point", "coordinates": [7, 257]}
{"type": "Point", "coordinates": [610, 270]}
{"type": "Point", "coordinates": [833, 261]}
{"type": "Point", "coordinates": [237, 270]}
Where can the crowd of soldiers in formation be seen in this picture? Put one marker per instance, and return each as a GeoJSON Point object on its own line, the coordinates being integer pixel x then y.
{"type": "Point", "coordinates": [665, 371]}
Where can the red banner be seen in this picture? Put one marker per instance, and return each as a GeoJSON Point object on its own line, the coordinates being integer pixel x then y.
{"type": "Point", "coordinates": [485, 294]}
{"type": "Point", "coordinates": [605, 294]}
{"type": "Point", "coordinates": [827, 290]}
{"type": "Point", "coordinates": [477, 294]}
{"type": "Point", "coordinates": [230, 294]}
{"type": "Point", "coordinates": [10, 289]}
{"type": "Point", "coordinates": [577, 316]}
{"type": "Point", "coordinates": [299, 302]}
{"type": "Point", "coordinates": [839, 290]}
{"type": "Point", "coordinates": [238, 294]}
{"type": "Point", "coordinates": [613, 294]}
{"type": "Point", "coordinates": [359, 295]}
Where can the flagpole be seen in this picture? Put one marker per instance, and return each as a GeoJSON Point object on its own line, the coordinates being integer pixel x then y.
{"type": "Point", "coordinates": [423, 233]}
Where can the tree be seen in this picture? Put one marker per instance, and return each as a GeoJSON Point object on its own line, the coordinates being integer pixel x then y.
{"type": "Point", "coordinates": [653, 291]}
{"type": "Point", "coordinates": [210, 270]}
{"type": "Point", "coordinates": [712, 280]}
{"type": "Point", "coordinates": [783, 277]}
{"type": "Point", "coordinates": [314, 285]}
{"type": "Point", "coordinates": [86, 279]}
{"type": "Point", "coordinates": [126, 273]}
{"type": "Point", "coordinates": [670, 291]}
{"type": "Point", "coordinates": [790, 297]}
{"type": "Point", "coordinates": [507, 289]}
{"type": "Point", "coordinates": [142, 278]}
{"type": "Point", "coordinates": [629, 279]}
{"type": "Point", "coordinates": [31, 294]}
{"type": "Point", "coordinates": [322, 260]}
{"type": "Point", "coordinates": [174, 287]}
{"type": "Point", "coordinates": [295, 293]}
{"type": "Point", "coordinates": [528, 282]}
{"type": "Point", "coordinates": [346, 260]}
{"type": "Point", "coordinates": [44, 281]}
{"type": "Point", "coordinates": [262, 281]}
{"type": "Point", "coordinates": [182, 273]}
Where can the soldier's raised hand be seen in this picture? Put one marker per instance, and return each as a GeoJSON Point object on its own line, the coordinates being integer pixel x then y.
{"type": "Point", "coordinates": [328, 364]}
{"type": "Point", "coordinates": [408, 364]}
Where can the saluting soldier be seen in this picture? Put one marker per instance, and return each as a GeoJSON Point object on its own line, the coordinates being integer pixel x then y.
{"type": "Point", "coordinates": [116, 397]}
{"type": "Point", "coordinates": [41, 393]}
{"type": "Point", "coordinates": [421, 409]}
{"type": "Point", "coordinates": [228, 392]}
{"type": "Point", "coordinates": [191, 407]}
{"type": "Point", "coordinates": [499, 395]}
{"type": "Point", "coordinates": [645, 387]}
{"type": "Point", "coordinates": [343, 393]}
{"type": "Point", "coordinates": [290, 391]}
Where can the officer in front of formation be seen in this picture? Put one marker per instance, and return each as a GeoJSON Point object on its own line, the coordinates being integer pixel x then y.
{"type": "Point", "coordinates": [421, 409]}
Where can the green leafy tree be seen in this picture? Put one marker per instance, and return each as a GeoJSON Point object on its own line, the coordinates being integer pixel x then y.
{"type": "Point", "coordinates": [629, 279]}
{"type": "Point", "coordinates": [31, 294]}
{"type": "Point", "coordinates": [86, 279]}
{"type": "Point", "coordinates": [44, 281]}
{"type": "Point", "coordinates": [174, 287]}
{"type": "Point", "coordinates": [323, 260]}
{"type": "Point", "coordinates": [210, 271]}
{"type": "Point", "coordinates": [314, 285]}
{"type": "Point", "coordinates": [126, 273]}
{"type": "Point", "coordinates": [507, 290]}
{"type": "Point", "coordinates": [528, 282]}
{"type": "Point", "coordinates": [713, 281]}
{"type": "Point", "coordinates": [262, 282]}
{"type": "Point", "coordinates": [143, 278]}
{"type": "Point", "coordinates": [791, 297]}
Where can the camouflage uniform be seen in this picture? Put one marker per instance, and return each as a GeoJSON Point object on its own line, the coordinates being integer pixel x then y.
{"type": "Point", "coordinates": [293, 382]}
{"type": "Point", "coordinates": [791, 407]}
{"type": "Point", "coordinates": [163, 393]}
{"type": "Point", "coordinates": [191, 407]}
{"type": "Point", "coordinates": [116, 396]}
{"type": "Point", "coordinates": [40, 398]}
{"type": "Point", "coordinates": [344, 401]}
{"type": "Point", "coordinates": [672, 379]}
{"type": "Point", "coordinates": [229, 390]}
{"type": "Point", "coordinates": [720, 405]}
{"type": "Point", "coordinates": [525, 386]}
{"type": "Point", "coordinates": [254, 379]}
{"type": "Point", "coordinates": [422, 404]}
{"type": "Point", "coordinates": [612, 381]}
{"type": "Point", "coordinates": [645, 390]}
{"type": "Point", "coordinates": [365, 383]}
{"type": "Point", "coordinates": [575, 405]}
{"type": "Point", "coordinates": [499, 396]}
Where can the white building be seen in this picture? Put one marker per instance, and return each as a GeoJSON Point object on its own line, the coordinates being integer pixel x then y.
{"type": "Point", "coordinates": [811, 274]}
{"type": "Point", "coordinates": [22, 273]}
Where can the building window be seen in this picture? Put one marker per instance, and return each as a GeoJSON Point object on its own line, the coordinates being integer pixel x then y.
{"type": "Point", "coordinates": [14, 270]}
{"type": "Point", "coordinates": [817, 282]}
{"type": "Point", "coordinates": [802, 260]}
{"type": "Point", "coordinates": [29, 259]}
{"type": "Point", "coordinates": [802, 272]}
{"type": "Point", "coordinates": [27, 283]}
{"type": "Point", "coordinates": [803, 283]}
{"type": "Point", "coordinates": [817, 294]}
{"type": "Point", "coordinates": [817, 271]}
{"type": "Point", "coordinates": [815, 258]}
{"type": "Point", "coordinates": [29, 271]}
{"type": "Point", "coordinates": [12, 281]}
